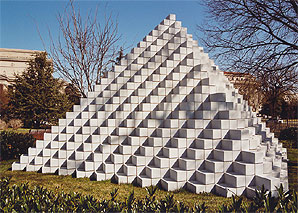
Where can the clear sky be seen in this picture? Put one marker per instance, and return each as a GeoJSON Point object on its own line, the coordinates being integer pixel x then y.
{"type": "Point", "coordinates": [19, 19]}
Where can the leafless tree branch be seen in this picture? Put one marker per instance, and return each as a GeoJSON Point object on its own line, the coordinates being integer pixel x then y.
{"type": "Point", "coordinates": [258, 37]}
{"type": "Point", "coordinates": [85, 47]}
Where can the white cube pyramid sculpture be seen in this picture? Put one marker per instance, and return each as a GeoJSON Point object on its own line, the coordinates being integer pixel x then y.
{"type": "Point", "coordinates": [166, 115]}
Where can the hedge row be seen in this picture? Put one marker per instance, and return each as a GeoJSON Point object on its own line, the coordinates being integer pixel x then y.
{"type": "Point", "coordinates": [24, 199]}
{"type": "Point", "coordinates": [14, 144]}
{"type": "Point", "coordinates": [290, 135]}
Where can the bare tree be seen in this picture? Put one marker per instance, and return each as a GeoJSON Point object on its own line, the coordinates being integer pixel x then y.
{"type": "Point", "coordinates": [278, 85]}
{"type": "Point", "coordinates": [248, 86]}
{"type": "Point", "coordinates": [259, 37]}
{"type": "Point", "coordinates": [86, 47]}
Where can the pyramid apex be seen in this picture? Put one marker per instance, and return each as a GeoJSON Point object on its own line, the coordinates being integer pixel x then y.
{"type": "Point", "coordinates": [171, 17]}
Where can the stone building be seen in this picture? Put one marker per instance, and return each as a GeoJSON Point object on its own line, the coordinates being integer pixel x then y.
{"type": "Point", "coordinates": [248, 87]}
{"type": "Point", "coordinates": [13, 62]}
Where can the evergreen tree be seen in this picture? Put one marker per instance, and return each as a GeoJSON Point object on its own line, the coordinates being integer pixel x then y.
{"type": "Point", "coordinates": [73, 93]}
{"type": "Point", "coordinates": [37, 98]}
{"type": "Point", "coordinates": [3, 105]}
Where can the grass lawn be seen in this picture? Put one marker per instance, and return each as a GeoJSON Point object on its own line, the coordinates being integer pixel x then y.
{"type": "Point", "coordinates": [20, 130]}
{"type": "Point", "coordinates": [102, 189]}
{"type": "Point", "coordinates": [293, 168]}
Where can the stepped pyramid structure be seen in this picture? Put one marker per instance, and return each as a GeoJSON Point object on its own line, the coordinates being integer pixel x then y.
{"type": "Point", "coordinates": [166, 115]}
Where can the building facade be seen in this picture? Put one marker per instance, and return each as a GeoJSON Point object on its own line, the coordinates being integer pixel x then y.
{"type": "Point", "coordinates": [13, 62]}
{"type": "Point", "coordinates": [248, 87]}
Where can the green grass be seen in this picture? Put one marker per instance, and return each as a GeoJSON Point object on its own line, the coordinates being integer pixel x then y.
{"type": "Point", "coordinates": [20, 130]}
{"type": "Point", "coordinates": [292, 164]}
{"type": "Point", "coordinates": [102, 189]}
{"type": "Point", "coordinates": [293, 168]}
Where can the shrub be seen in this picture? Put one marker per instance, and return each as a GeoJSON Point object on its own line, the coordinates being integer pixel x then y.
{"type": "Point", "coordinates": [14, 144]}
{"type": "Point", "coordinates": [22, 198]}
{"type": "Point", "coordinates": [3, 125]}
{"type": "Point", "coordinates": [15, 123]}
{"type": "Point", "coordinates": [290, 134]}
